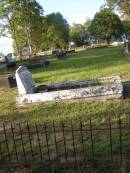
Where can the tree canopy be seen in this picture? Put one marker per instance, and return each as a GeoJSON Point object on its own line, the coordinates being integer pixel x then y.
{"type": "Point", "coordinates": [55, 31]}
{"type": "Point", "coordinates": [122, 5]}
{"type": "Point", "coordinates": [24, 22]}
{"type": "Point", "coordinates": [79, 33]}
{"type": "Point", "coordinates": [21, 19]}
{"type": "Point", "coordinates": [126, 26]}
{"type": "Point", "coordinates": [106, 24]}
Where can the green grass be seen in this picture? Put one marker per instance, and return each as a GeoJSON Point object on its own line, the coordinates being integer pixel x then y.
{"type": "Point", "coordinates": [82, 65]}
{"type": "Point", "coordinates": [85, 65]}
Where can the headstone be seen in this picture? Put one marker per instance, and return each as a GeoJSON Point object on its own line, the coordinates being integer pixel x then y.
{"type": "Point", "coordinates": [25, 83]}
{"type": "Point", "coordinates": [61, 54]}
{"type": "Point", "coordinates": [10, 60]}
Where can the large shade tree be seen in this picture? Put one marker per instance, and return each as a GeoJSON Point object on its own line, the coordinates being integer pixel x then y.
{"type": "Point", "coordinates": [126, 25]}
{"type": "Point", "coordinates": [122, 5]}
{"type": "Point", "coordinates": [105, 25]}
{"type": "Point", "coordinates": [7, 10]}
{"type": "Point", "coordinates": [55, 33]}
{"type": "Point", "coordinates": [29, 24]}
{"type": "Point", "coordinates": [21, 20]}
{"type": "Point", "coordinates": [79, 33]}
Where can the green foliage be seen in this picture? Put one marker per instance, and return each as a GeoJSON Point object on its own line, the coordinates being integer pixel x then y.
{"type": "Point", "coordinates": [106, 24]}
{"type": "Point", "coordinates": [79, 33]}
{"type": "Point", "coordinates": [28, 22]}
{"type": "Point", "coordinates": [6, 11]}
{"type": "Point", "coordinates": [55, 31]}
{"type": "Point", "coordinates": [126, 25]}
{"type": "Point", "coordinates": [27, 26]}
{"type": "Point", "coordinates": [22, 20]}
{"type": "Point", "coordinates": [122, 5]}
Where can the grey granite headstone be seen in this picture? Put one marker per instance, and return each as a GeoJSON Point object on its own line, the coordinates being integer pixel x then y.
{"type": "Point", "coordinates": [25, 83]}
{"type": "Point", "coordinates": [10, 58]}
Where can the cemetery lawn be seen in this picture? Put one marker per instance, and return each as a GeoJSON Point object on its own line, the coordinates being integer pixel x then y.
{"type": "Point", "coordinates": [87, 64]}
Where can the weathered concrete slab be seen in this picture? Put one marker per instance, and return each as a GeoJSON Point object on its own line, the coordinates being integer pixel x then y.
{"type": "Point", "coordinates": [105, 88]}
{"type": "Point", "coordinates": [84, 83]}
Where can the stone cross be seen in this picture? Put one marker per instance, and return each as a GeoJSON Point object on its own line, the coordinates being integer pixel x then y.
{"type": "Point", "coordinates": [25, 83]}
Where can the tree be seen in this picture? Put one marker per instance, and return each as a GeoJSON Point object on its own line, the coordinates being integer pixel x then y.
{"type": "Point", "coordinates": [55, 31]}
{"type": "Point", "coordinates": [6, 11]}
{"type": "Point", "coordinates": [21, 19]}
{"type": "Point", "coordinates": [122, 5]}
{"type": "Point", "coordinates": [29, 22]}
{"type": "Point", "coordinates": [126, 26]}
{"type": "Point", "coordinates": [79, 33]}
{"type": "Point", "coordinates": [105, 25]}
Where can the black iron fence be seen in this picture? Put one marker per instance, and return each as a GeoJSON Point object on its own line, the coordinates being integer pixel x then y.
{"type": "Point", "coordinates": [66, 143]}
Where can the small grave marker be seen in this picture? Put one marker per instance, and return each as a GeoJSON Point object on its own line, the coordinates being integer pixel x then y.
{"type": "Point", "coordinates": [10, 60]}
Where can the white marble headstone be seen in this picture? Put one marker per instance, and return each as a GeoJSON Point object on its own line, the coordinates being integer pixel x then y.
{"type": "Point", "coordinates": [25, 82]}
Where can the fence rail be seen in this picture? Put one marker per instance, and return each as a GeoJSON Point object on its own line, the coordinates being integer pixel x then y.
{"type": "Point", "coordinates": [74, 142]}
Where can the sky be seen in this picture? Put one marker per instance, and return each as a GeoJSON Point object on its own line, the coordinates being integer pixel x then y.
{"type": "Point", "coordinates": [75, 11]}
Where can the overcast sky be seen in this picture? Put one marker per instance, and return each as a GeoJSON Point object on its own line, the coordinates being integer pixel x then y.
{"type": "Point", "coordinates": [75, 11]}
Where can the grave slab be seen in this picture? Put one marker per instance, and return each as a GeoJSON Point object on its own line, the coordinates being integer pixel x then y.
{"type": "Point", "coordinates": [105, 88]}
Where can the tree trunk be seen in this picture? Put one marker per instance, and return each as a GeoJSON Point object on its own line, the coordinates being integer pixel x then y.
{"type": "Point", "coordinates": [108, 41]}
{"type": "Point", "coordinates": [12, 27]}
{"type": "Point", "coordinates": [29, 41]}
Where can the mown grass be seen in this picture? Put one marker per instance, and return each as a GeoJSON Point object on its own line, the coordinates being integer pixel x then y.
{"type": "Point", "coordinates": [85, 65]}
{"type": "Point", "coordinates": [82, 65]}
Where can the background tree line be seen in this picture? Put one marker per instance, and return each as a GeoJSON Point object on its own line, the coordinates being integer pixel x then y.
{"type": "Point", "coordinates": [25, 23]}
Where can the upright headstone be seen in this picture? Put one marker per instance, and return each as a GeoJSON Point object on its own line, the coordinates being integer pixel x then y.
{"type": "Point", "coordinates": [10, 60]}
{"type": "Point", "coordinates": [25, 83]}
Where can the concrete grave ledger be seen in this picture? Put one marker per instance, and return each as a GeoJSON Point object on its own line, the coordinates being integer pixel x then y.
{"type": "Point", "coordinates": [105, 88]}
